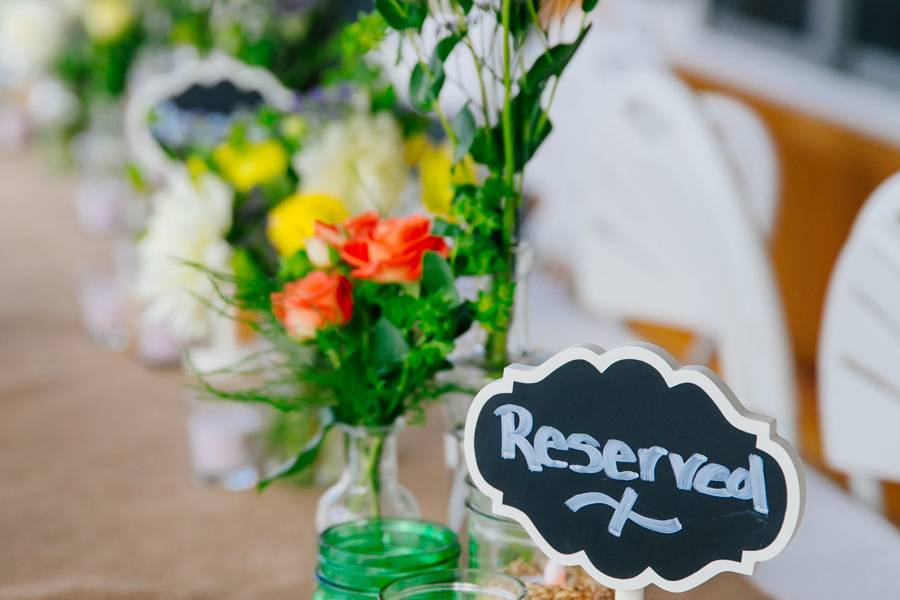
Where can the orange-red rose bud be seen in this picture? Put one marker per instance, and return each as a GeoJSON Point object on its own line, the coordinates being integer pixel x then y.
{"type": "Point", "coordinates": [318, 300]}
{"type": "Point", "coordinates": [388, 251]}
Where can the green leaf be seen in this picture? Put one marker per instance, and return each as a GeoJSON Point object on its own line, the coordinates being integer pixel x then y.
{"type": "Point", "coordinates": [421, 93]}
{"type": "Point", "coordinates": [445, 47]}
{"type": "Point", "coordinates": [464, 129]}
{"type": "Point", "coordinates": [427, 81]}
{"type": "Point", "coordinates": [520, 21]}
{"type": "Point", "coordinates": [403, 14]}
{"type": "Point", "coordinates": [485, 148]}
{"type": "Point", "coordinates": [437, 276]}
{"type": "Point", "coordinates": [589, 5]}
{"type": "Point", "coordinates": [465, 5]}
{"type": "Point", "coordinates": [303, 461]}
{"type": "Point", "coordinates": [295, 267]}
{"type": "Point", "coordinates": [388, 346]}
{"type": "Point", "coordinates": [552, 63]}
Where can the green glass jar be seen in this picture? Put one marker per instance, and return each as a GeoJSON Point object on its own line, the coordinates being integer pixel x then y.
{"type": "Point", "coordinates": [358, 559]}
{"type": "Point", "coordinates": [456, 585]}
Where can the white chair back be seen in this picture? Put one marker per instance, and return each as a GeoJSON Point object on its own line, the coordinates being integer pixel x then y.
{"type": "Point", "coordinates": [859, 351]}
{"type": "Point", "coordinates": [654, 227]}
{"type": "Point", "coordinates": [751, 154]}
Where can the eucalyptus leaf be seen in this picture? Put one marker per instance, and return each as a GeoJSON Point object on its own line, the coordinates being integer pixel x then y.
{"type": "Point", "coordinates": [464, 128]}
{"type": "Point", "coordinates": [552, 63]}
{"type": "Point", "coordinates": [420, 88]}
{"type": "Point", "coordinates": [425, 84]}
{"type": "Point", "coordinates": [403, 14]}
{"type": "Point", "coordinates": [445, 47]}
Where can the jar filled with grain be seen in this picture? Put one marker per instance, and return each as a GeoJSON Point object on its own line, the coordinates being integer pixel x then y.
{"type": "Point", "coordinates": [502, 545]}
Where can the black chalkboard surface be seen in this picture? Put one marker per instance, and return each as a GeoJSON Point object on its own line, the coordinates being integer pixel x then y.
{"type": "Point", "coordinates": [637, 470]}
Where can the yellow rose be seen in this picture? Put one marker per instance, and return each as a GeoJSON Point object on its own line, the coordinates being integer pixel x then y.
{"type": "Point", "coordinates": [293, 221]}
{"type": "Point", "coordinates": [251, 164]}
{"type": "Point", "coordinates": [107, 20]}
{"type": "Point", "coordinates": [439, 175]}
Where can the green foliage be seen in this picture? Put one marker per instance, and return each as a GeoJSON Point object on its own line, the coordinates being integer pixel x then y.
{"type": "Point", "coordinates": [503, 138]}
{"type": "Point", "coordinates": [403, 14]}
{"type": "Point", "coordinates": [374, 369]}
{"type": "Point", "coordinates": [464, 128]}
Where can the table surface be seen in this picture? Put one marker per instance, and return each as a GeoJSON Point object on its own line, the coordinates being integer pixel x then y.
{"type": "Point", "coordinates": [96, 501]}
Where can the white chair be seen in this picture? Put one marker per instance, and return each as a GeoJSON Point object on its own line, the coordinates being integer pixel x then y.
{"type": "Point", "coordinates": [751, 153]}
{"type": "Point", "coordinates": [859, 351]}
{"type": "Point", "coordinates": [647, 211]}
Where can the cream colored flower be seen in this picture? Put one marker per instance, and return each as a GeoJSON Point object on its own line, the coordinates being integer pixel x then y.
{"type": "Point", "coordinates": [188, 225]}
{"type": "Point", "coordinates": [30, 35]}
{"type": "Point", "coordinates": [107, 20]}
{"type": "Point", "coordinates": [358, 160]}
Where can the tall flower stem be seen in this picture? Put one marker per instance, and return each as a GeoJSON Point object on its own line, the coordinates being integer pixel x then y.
{"type": "Point", "coordinates": [503, 284]}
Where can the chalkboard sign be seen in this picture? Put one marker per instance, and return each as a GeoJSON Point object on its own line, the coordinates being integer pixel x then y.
{"type": "Point", "coordinates": [194, 104]}
{"type": "Point", "coordinates": [633, 468]}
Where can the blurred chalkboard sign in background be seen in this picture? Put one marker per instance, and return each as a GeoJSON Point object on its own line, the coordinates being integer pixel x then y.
{"type": "Point", "coordinates": [860, 37]}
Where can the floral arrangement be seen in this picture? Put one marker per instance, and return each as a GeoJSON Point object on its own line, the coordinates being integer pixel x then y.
{"type": "Point", "coordinates": [81, 55]}
{"type": "Point", "coordinates": [255, 197]}
{"type": "Point", "coordinates": [517, 53]}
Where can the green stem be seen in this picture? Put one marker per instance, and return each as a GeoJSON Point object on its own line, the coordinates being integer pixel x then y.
{"type": "Point", "coordinates": [509, 167]}
{"type": "Point", "coordinates": [503, 284]}
{"type": "Point", "coordinates": [375, 452]}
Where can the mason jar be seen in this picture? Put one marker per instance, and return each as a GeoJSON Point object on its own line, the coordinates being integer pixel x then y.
{"type": "Point", "coordinates": [358, 559]}
{"type": "Point", "coordinates": [456, 585]}
{"type": "Point", "coordinates": [500, 544]}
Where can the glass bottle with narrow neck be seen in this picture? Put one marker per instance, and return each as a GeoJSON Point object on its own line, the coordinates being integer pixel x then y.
{"type": "Point", "coordinates": [470, 372]}
{"type": "Point", "coordinates": [369, 486]}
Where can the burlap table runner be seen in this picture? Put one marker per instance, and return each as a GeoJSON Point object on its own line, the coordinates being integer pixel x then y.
{"type": "Point", "coordinates": [96, 501]}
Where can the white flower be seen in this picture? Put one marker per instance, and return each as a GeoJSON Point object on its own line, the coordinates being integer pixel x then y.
{"type": "Point", "coordinates": [358, 160]}
{"type": "Point", "coordinates": [50, 102]}
{"type": "Point", "coordinates": [188, 225]}
{"type": "Point", "coordinates": [30, 35]}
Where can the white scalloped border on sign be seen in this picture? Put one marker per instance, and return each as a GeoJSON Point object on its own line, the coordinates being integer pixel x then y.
{"type": "Point", "coordinates": [673, 374]}
{"type": "Point", "coordinates": [209, 70]}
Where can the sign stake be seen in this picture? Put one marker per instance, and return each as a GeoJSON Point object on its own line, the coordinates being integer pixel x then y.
{"type": "Point", "coordinates": [630, 594]}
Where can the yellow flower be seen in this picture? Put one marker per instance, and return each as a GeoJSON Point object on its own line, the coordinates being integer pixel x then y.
{"type": "Point", "coordinates": [293, 221]}
{"type": "Point", "coordinates": [414, 147]}
{"type": "Point", "coordinates": [251, 164]}
{"type": "Point", "coordinates": [196, 167]}
{"type": "Point", "coordinates": [439, 175]}
{"type": "Point", "coordinates": [107, 20]}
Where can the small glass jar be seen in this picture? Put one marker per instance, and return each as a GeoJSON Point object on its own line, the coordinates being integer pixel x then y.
{"type": "Point", "coordinates": [456, 585]}
{"type": "Point", "coordinates": [500, 544]}
{"type": "Point", "coordinates": [357, 560]}
{"type": "Point", "coordinates": [369, 487]}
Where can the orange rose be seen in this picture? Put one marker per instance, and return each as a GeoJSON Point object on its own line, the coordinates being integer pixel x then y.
{"type": "Point", "coordinates": [388, 251]}
{"type": "Point", "coordinates": [307, 305]}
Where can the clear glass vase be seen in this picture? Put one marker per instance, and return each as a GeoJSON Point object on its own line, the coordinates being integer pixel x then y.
{"type": "Point", "coordinates": [369, 486]}
{"type": "Point", "coordinates": [470, 373]}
